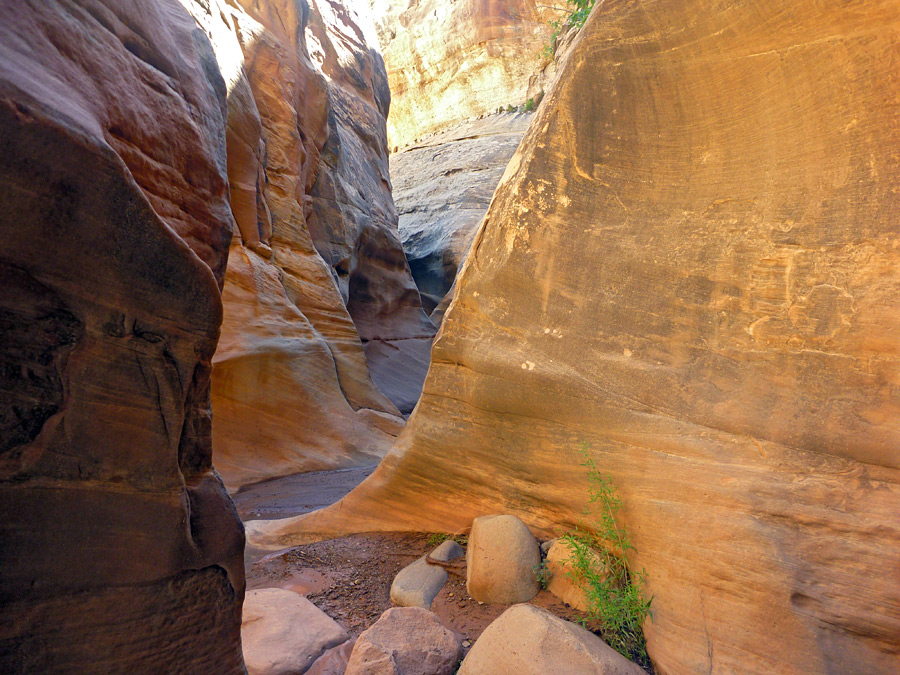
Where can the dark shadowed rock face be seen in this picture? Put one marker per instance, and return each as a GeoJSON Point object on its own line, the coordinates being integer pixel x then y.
{"type": "Point", "coordinates": [119, 548]}
{"type": "Point", "coordinates": [442, 187]}
{"type": "Point", "coordinates": [690, 266]}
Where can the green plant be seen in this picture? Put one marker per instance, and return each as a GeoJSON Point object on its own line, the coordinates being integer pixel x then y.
{"type": "Point", "coordinates": [614, 592]}
{"type": "Point", "coordinates": [510, 108]}
{"type": "Point", "coordinates": [542, 572]}
{"type": "Point", "coordinates": [529, 105]}
{"type": "Point", "coordinates": [579, 10]}
{"type": "Point", "coordinates": [440, 537]}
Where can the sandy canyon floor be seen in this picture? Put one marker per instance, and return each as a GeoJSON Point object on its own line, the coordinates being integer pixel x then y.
{"type": "Point", "coordinates": [349, 578]}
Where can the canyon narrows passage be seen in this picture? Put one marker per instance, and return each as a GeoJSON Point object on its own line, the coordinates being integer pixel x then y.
{"type": "Point", "coordinates": [257, 239]}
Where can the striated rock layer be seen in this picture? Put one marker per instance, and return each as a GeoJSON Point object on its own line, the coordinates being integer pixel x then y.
{"type": "Point", "coordinates": [119, 548]}
{"type": "Point", "coordinates": [317, 264]}
{"type": "Point", "coordinates": [691, 267]}
{"type": "Point", "coordinates": [451, 66]}
{"type": "Point", "coordinates": [452, 61]}
{"type": "Point", "coordinates": [354, 221]}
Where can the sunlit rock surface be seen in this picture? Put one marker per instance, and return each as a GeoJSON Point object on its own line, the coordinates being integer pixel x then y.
{"type": "Point", "coordinates": [451, 66]}
{"type": "Point", "coordinates": [691, 267]}
{"type": "Point", "coordinates": [452, 61]}
{"type": "Point", "coordinates": [317, 262]}
{"type": "Point", "coordinates": [119, 548]}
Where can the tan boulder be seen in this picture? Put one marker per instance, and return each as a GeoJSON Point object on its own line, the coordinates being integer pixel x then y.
{"type": "Point", "coordinates": [502, 560]}
{"type": "Point", "coordinates": [283, 633]}
{"type": "Point", "coordinates": [691, 267]}
{"type": "Point", "coordinates": [528, 640]}
{"type": "Point", "coordinates": [119, 548]}
{"type": "Point", "coordinates": [417, 584]}
{"type": "Point", "coordinates": [405, 641]}
{"type": "Point", "coordinates": [562, 579]}
{"type": "Point", "coordinates": [333, 661]}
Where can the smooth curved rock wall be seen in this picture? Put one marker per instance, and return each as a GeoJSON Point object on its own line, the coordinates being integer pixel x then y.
{"type": "Point", "coordinates": [690, 266]}
{"type": "Point", "coordinates": [317, 283]}
{"type": "Point", "coordinates": [119, 547]}
{"type": "Point", "coordinates": [443, 187]}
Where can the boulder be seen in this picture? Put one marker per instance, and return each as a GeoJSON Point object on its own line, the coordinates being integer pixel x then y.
{"type": "Point", "coordinates": [283, 633]}
{"type": "Point", "coordinates": [333, 661]}
{"type": "Point", "coordinates": [405, 641]}
{"type": "Point", "coordinates": [559, 571]}
{"type": "Point", "coordinates": [417, 584]}
{"type": "Point", "coordinates": [528, 640]}
{"type": "Point", "coordinates": [501, 560]}
{"type": "Point", "coordinates": [691, 266]}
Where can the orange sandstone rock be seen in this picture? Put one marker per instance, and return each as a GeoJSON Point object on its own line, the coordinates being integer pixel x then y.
{"type": "Point", "coordinates": [317, 268]}
{"type": "Point", "coordinates": [451, 61]}
{"type": "Point", "coordinates": [691, 267]}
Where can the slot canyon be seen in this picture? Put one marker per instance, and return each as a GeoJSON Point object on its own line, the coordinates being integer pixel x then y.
{"type": "Point", "coordinates": [326, 325]}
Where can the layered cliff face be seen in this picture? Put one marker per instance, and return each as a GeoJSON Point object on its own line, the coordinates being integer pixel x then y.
{"type": "Point", "coordinates": [119, 548]}
{"type": "Point", "coordinates": [354, 221]}
{"type": "Point", "coordinates": [690, 266]}
{"type": "Point", "coordinates": [317, 264]}
{"type": "Point", "coordinates": [451, 66]}
{"type": "Point", "coordinates": [448, 62]}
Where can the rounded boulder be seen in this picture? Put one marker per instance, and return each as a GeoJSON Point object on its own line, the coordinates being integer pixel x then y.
{"type": "Point", "coordinates": [501, 560]}
{"type": "Point", "coordinates": [527, 640]}
{"type": "Point", "coordinates": [405, 641]}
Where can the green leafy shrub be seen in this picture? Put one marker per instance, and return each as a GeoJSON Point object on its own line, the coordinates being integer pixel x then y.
{"type": "Point", "coordinates": [615, 593]}
{"type": "Point", "coordinates": [579, 10]}
{"type": "Point", "coordinates": [529, 105]}
{"type": "Point", "coordinates": [542, 572]}
{"type": "Point", "coordinates": [440, 537]}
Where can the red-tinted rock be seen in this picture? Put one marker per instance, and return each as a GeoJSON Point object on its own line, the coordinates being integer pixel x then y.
{"type": "Point", "coordinates": [119, 548]}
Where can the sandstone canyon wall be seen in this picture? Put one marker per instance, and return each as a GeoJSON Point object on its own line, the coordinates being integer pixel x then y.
{"type": "Point", "coordinates": [451, 66]}
{"type": "Point", "coordinates": [316, 268]}
{"type": "Point", "coordinates": [454, 61]}
{"type": "Point", "coordinates": [442, 188]}
{"type": "Point", "coordinates": [120, 550]}
{"type": "Point", "coordinates": [690, 266]}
